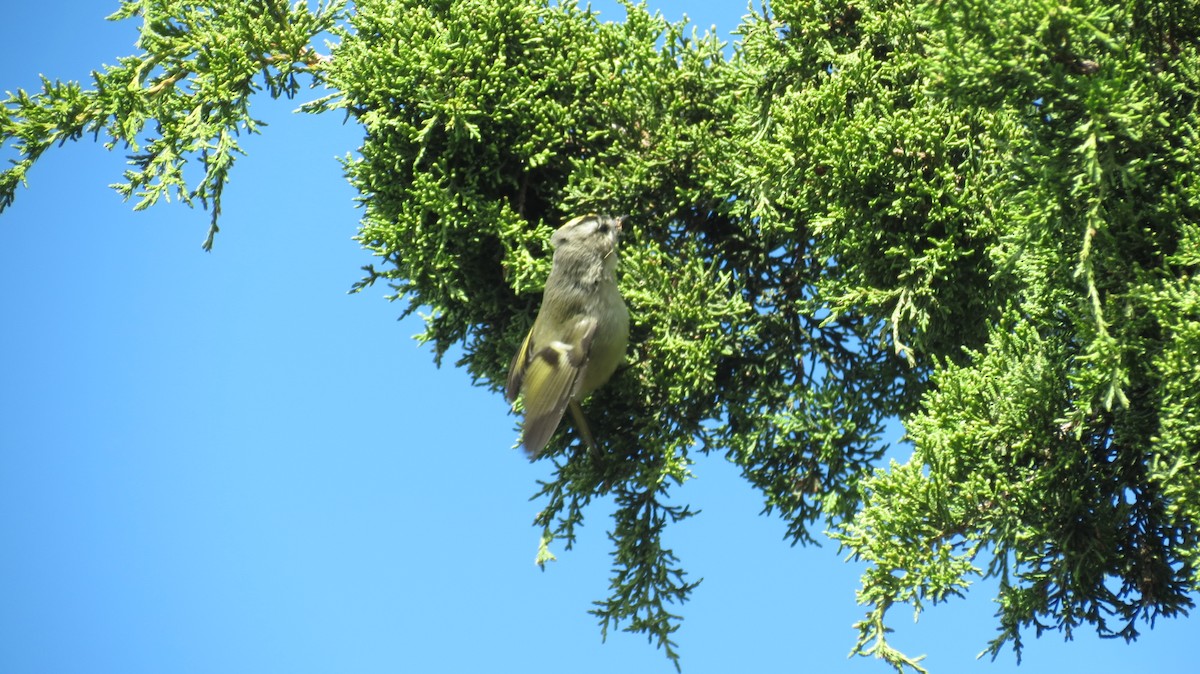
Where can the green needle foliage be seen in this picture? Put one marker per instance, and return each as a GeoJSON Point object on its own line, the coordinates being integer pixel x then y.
{"type": "Point", "coordinates": [981, 217]}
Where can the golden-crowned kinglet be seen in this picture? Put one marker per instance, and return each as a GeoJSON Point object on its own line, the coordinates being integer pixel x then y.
{"type": "Point", "coordinates": [579, 336]}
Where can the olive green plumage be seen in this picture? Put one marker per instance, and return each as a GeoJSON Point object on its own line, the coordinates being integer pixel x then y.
{"type": "Point", "coordinates": [579, 336]}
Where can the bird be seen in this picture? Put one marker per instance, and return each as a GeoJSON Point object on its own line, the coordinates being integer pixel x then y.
{"type": "Point", "coordinates": [579, 336]}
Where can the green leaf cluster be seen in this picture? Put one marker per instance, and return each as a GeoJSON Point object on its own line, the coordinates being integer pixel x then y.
{"type": "Point", "coordinates": [491, 122]}
{"type": "Point", "coordinates": [1046, 273]}
{"type": "Point", "coordinates": [183, 98]}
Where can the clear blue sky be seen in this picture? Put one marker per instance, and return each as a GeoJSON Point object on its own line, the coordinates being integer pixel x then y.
{"type": "Point", "coordinates": [224, 463]}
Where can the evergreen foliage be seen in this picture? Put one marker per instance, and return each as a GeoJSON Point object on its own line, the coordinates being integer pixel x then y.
{"type": "Point", "coordinates": [982, 217]}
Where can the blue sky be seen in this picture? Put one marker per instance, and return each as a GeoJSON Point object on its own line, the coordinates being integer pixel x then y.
{"type": "Point", "coordinates": [221, 462]}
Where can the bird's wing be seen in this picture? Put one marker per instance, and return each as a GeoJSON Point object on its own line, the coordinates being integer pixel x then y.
{"type": "Point", "coordinates": [550, 378]}
{"type": "Point", "coordinates": [516, 370]}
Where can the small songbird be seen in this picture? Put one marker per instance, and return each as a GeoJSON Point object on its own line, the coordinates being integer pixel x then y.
{"type": "Point", "coordinates": [579, 336]}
